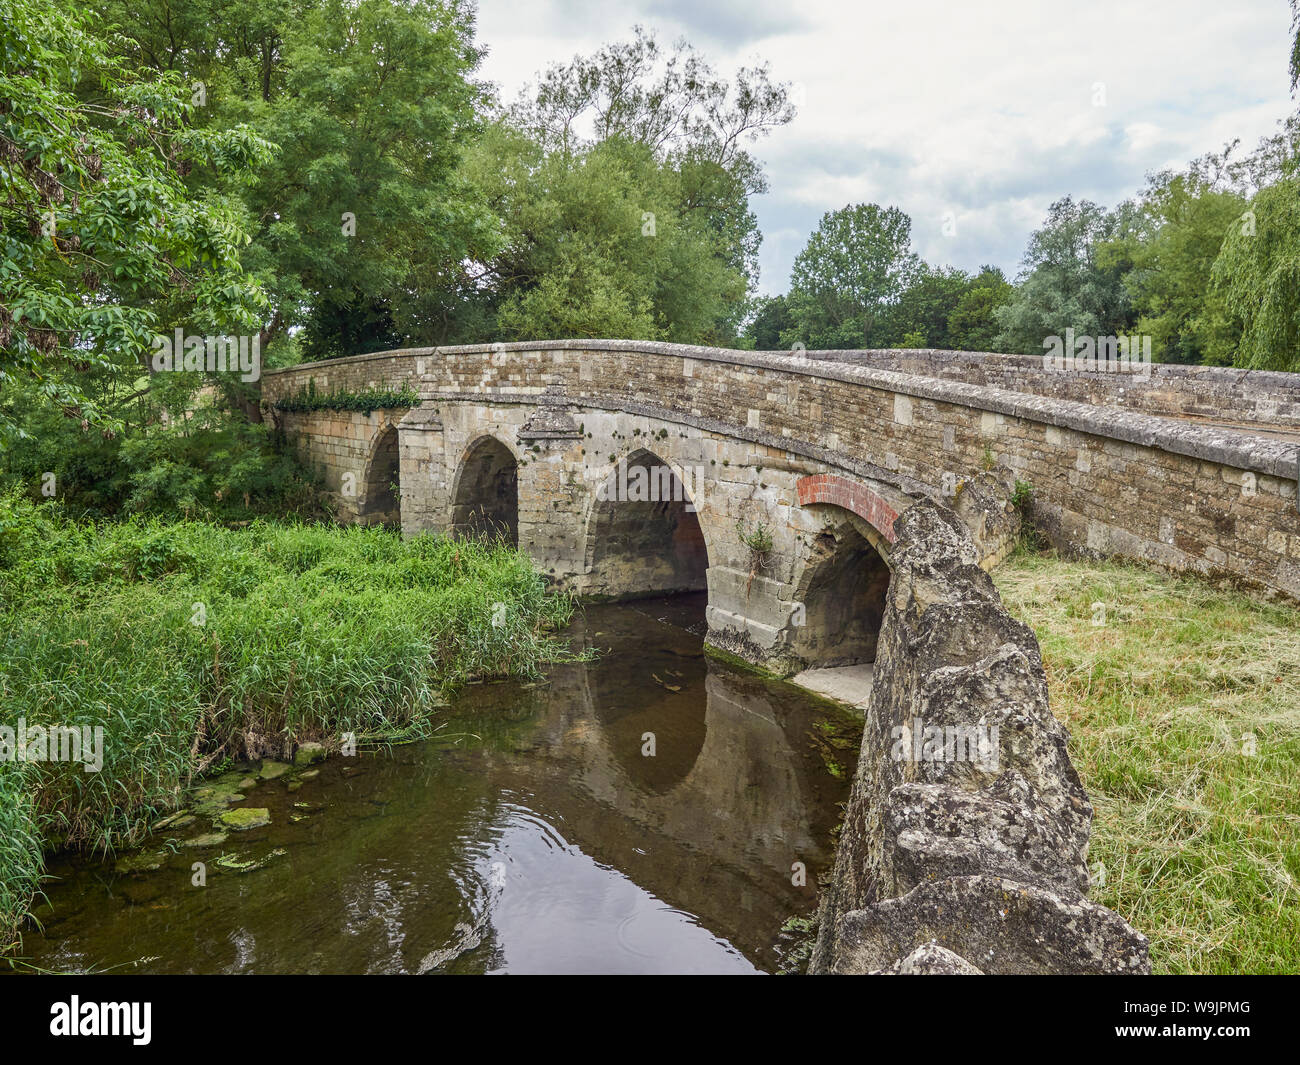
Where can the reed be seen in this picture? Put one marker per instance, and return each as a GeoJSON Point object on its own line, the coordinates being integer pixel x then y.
{"type": "Point", "coordinates": [188, 643]}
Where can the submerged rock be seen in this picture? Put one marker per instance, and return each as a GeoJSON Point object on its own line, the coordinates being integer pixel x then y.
{"type": "Point", "coordinates": [273, 770]}
{"type": "Point", "coordinates": [244, 818]}
{"type": "Point", "coordinates": [235, 865]}
{"type": "Point", "coordinates": [207, 839]}
{"type": "Point", "coordinates": [141, 862]}
{"type": "Point", "coordinates": [173, 820]}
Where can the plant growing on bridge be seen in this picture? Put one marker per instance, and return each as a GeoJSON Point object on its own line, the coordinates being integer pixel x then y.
{"type": "Point", "coordinates": [759, 541]}
{"type": "Point", "coordinates": [1023, 494]}
{"type": "Point", "coordinates": [370, 399]}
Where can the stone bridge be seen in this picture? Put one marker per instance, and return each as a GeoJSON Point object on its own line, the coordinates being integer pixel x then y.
{"type": "Point", "coordinates": [773, 479]}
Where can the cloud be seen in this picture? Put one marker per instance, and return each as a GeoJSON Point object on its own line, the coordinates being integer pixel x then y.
{"type": "Point", "coordinates": [990, 113]}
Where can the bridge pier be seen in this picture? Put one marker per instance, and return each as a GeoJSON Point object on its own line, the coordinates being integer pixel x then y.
{"type": "Point", "coordinates": [612, 504]}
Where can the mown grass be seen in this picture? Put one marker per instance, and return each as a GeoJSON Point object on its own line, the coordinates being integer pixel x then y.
{"type": "Point", "coordinates": [1184, 709]}
{"type": "Point", "coordinates": [307, 632]}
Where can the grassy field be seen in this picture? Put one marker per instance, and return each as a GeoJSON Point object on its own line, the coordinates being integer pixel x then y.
{"type": "Point", "coordinates": [1183, 701]}
{"type": "Point", "coordinates": [191, 643]}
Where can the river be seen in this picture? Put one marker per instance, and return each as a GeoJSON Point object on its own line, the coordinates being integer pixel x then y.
{"type": "Point", "coordinates": [645, 812]}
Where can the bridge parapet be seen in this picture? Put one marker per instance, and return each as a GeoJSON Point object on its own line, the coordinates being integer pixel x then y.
{"type": "Point", "coordinates": [1107, 480]}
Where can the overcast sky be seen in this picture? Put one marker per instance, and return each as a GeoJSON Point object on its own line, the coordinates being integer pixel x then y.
{"type": "Point", "coordinates": [982, 113]}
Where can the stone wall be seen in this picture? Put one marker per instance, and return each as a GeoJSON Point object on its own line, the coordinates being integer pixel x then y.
{"type": "Point", "coordinates": [1212, 393]}
{"type": "Point", "coordinates": [1107, 481]}
{"type": "Point", "coordinates": [952, 865]}
{"type": "Point", "coordinates": [349, 451]}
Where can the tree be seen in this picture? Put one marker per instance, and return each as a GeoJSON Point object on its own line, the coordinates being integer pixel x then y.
{"type": "Point", "coordinates": [1295, 45]}
{"type": "Point", "coordinates": [365, 224]}
{"type": "Point", "coordinates": [769, 320]}
{"type": "Point", "coordinates": [623, 190]}
{"type": "Point", "coordinates": [924, 307]}
{"type": "Point", "coordinates": [1257, 273]}
{"type": "Point", "coordinates": [848, 278]}
{"type": "Point", "coordinates": [1183, 219]}
{"type": "Point", "coordinates": [973, 323]}
{"type": "Point", "coordinates": [1069, 280]}
{"type": "Point", "coordinates": [104, 245]}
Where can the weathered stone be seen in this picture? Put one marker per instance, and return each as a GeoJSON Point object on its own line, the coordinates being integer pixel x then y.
{"type": "Point", "coordinates": [998, 925]}
{"type": "Point", "coordinates": [930, 960]}
{"type": "Point", "coordinates": [140, 862]}
{"type": "Point", "coordinates": [309, 753]}
{"type": "Point", "coordinates": [207, 839]}
{"type": "Point", "coordinates": [943, 843]}
{"type": "Point", "coordinates": [244, 818]}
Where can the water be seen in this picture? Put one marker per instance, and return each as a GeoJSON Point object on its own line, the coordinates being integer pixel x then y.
{"type": "Point", "coordinates": [532, 835]}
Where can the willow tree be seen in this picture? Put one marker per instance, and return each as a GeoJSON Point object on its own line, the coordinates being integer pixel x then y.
{"type": "Point", "coordinates": [1258, 275]}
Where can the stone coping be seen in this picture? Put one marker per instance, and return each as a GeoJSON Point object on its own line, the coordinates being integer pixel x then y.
{"type": "Point", "coordinates": [1237, 449]}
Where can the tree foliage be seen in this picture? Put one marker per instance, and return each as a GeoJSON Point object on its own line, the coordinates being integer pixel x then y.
{"type": "Point", "coordinates": [1072, 279]}
{"type": "Point", "coordinates": [622, 185]}
{"type": "Point", "coordinates": [1257, 273]}
{"type": "Point", "coordinates": [847, 280]}
{"type": "Point", "coordinates": [104, 243]}
{"type": "Point", "coordinates": [364, 220]}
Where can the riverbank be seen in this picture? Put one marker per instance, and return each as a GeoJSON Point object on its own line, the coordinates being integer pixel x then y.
{"type": "Point", "coordinates": [532, 832]}
{"type": "Point", "coordinates": [173, 647]}
{"type": "Point", "coordinates": [1183, 703]}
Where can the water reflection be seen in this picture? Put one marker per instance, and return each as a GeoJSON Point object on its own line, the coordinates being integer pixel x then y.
{"type": "Point", "coordinates": [535, 834]}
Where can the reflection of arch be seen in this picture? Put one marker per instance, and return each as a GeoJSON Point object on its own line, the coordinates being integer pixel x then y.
{"type": "Point", "coordinates": [657, 695]}
{"type": "Point", "coordinates": [842, 590]}
{"type": "Point", "coordinates": [485, 498]}
{"type": "Point", "coordinates": [381, 505]}
{"type": "Point", "coordinates": [643, 534]}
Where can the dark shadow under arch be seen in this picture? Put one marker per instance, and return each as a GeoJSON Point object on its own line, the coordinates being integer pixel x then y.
{"type": "Point", "coordinates": [382, 504]}
{"type": "Point", "coordinates": [644, 537]}
{"type": "Point", "coordinates": [486, 502]}
{"type": "Point", "coordinates": [843, 593]}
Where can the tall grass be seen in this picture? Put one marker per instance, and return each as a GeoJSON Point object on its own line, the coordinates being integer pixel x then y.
{"type": "Point", "coordinates": [306, 632]}
{"type": "Point", "coordinates": [1184, 708]}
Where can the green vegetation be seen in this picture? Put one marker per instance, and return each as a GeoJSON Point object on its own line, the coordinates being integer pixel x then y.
{"type": "Point", "coordinates": [206, 465]}
{"type": "Point", "coordinates": [189, 643]}
{"type": "Point", "coordinates": [1183, 702]}
{"type": "Point", "coordinates": [365, 401]}
{"type": "Point", "coordinates": [102, 243]}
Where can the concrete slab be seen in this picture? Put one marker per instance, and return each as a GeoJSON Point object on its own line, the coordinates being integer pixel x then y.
{"type": "Point", "coordinates": [845, 684]}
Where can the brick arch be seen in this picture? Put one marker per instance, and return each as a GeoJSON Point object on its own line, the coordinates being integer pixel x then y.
{"type": "Point", "coordinates": [837, 491]}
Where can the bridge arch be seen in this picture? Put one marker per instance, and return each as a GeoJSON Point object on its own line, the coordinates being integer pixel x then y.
{"type": "Point", "coordinates": [381, 502]}
{"type": "Point", "coordinates": [485, 491]}
{"type": "Point", "coordinates": [841, 588]}
{"type": "Point", "coordinates": [644, 536]}
{"type": "Point", "coordinates": [840, 592]}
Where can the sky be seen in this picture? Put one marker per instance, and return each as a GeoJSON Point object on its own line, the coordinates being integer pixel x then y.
{"type": "Point", "coordinates": [971, 117]}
